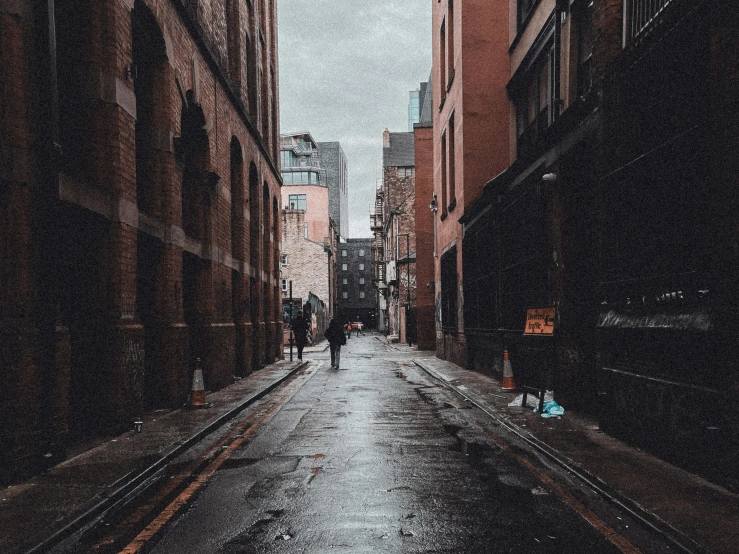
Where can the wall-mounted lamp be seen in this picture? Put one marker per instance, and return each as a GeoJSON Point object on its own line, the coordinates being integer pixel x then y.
{"type": "Point", "coordinates": [131, 71]}
{"type": "Point", "coordinates": [433, 206]}
{"type": "Point", "coordinates": [549, 177]}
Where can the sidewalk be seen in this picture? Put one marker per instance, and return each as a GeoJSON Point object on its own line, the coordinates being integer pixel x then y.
{"type": "Point", "coordinates": [76, 491]}
{"type": "Point", "coordinates": [320, 346]}
{"type": "Point", "coordinates": [687, 507]}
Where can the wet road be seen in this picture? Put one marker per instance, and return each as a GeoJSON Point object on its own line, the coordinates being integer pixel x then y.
{"type": "Point", "coordinates": [373, 457]}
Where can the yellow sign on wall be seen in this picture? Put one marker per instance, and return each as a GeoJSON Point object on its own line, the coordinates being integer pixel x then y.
{"type": "Point", "coordinates": [540, 321]}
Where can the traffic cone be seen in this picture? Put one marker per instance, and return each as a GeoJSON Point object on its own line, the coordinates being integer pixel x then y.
{"type": "Point", "coordinates": [197, 392]}
{"type": "Point", "coordinates": [508, 383]}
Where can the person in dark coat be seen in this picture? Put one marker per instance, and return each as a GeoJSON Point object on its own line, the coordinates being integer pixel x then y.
{"type": "Point", "coordinates": [299, 325]}
{"type": "Point", "coordinates": [336, 337]}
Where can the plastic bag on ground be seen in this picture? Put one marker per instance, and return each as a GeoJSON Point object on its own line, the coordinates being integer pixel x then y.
{"type": "Point", "coordinates": [551, 409]}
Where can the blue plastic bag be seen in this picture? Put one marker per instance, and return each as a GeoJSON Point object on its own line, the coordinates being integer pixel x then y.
{"type": "Point", "coordinates": [551, 409]}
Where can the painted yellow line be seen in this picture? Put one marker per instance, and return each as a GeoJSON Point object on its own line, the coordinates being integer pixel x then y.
{"type": "Point", "coordinates": [578, 507]}
{"type": "Point", "coordinates": [145, 509]}
{"type": "Point", "coordinates": [167, 513]}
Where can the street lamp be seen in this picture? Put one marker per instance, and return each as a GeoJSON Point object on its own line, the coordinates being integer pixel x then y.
{"type": "Point", "coordinates": [434, 207]}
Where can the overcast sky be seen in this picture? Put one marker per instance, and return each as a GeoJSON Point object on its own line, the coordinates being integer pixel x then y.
{"type": "Point", "coordinates": [346, 67]}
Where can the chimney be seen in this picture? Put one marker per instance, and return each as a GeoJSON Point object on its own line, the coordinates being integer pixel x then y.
{"type": "Point", "coordinates": [386, 138]}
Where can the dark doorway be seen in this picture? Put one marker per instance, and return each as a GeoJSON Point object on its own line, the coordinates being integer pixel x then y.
{"type": "Point", "coordinates": [82, 237]}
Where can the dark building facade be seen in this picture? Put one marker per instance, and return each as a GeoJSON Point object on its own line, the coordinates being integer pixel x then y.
{"type": "Point", "coordinates": [356, 299]}
{"type": "Point", "coordinates": [618, 211]}
{"type": "Point", "coordinates": [139, 178]}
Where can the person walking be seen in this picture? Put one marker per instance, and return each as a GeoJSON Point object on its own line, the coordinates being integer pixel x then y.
{"type": "Point", "coordinates": [348, 329]}
{"type": "Point", "coordinates": [336, 338]}
{"type": "Point", "coordinates": [299, 325]}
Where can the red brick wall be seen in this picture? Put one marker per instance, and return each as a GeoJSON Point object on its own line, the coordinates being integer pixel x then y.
{"type": "Point", "coordinates": [105, 189]}
{"type": "Point", "coordinates": [424, 157]}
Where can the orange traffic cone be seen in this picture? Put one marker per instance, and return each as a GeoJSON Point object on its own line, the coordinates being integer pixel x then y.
{"type": "Point", "coordinates": [197, 392]}
{"type": "Point", "coordinates": [508, 383]}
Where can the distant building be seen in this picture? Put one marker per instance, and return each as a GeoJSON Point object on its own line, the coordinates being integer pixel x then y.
{"type": "Point", "coordinates": [314, 198]}
{"type": "Point", "coordinates": [356, 299]}
{"type": "Point", "coordinates": [304, 183]}
{"type": "Point", "coordinates": [333, 162]}
{"type": "Point", "coordinates": [393, 225]}
{"type": "Point", "coordinates": [414, 108]}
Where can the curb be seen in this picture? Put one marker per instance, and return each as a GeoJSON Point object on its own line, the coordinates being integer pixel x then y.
{"type": "Point", "coordinates": [131, 482]}
{"type": "Point", "coordinates": [675, 537]}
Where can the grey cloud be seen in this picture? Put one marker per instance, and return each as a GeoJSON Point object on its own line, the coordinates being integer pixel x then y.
{"type": "Point", "coordinates": [345, 71]}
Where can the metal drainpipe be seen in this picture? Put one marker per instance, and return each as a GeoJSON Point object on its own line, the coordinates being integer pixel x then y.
{"type": "Point", "coordinates": [44, 210]}
{"type": "Point", "coordinates": [557, 58]}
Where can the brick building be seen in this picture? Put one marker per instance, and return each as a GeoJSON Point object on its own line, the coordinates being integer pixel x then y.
{"type": "Point", "coordinates": [139, 143]}
{"type": "Point", "coordinates": [425, 220]}
{"type": "Point", "coordinates": [393, 225]}
{"type": "Point", "coordinates": [356, 299]}
{"type": "Point", "coordinates": [616, 209]}
{"type": "Point", "coordinates": [471, 140]}
{"type": "Point", "coordinates": [305, 186]}
{"type": "Point", "coordinates": [309, 265]}
{"type": "Point", "coordinates": [319, 193]}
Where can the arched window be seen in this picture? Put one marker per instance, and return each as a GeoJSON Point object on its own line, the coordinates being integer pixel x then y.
{"type": "Point", "coordinates": [254, 239]}
{"type": "Point", "coordinates": [237, 200]}
{"type": "Point", "coordinates": [72, 20]}
{"type": "Point", "coordinates": [233, 44]}
{"type": "Point", "coordinates": [149, 59]}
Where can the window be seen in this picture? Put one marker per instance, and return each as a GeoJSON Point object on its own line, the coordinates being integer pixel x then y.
{"type": "Point", "coordinates": [345, 281]}
{"type": "Point", "coordinates": [451, 180]}
{"type": "Point", "coordinates": [361, 294]}
{"type": "Point", "coordinates": [524, 9]}
{"type": "Point", "coordinates": [283, 260]}
{"type": "Point", "coordinates": [284, 285]}
{"type": "Point", "coordinates": [297, 201]}
{"type": "Point", "coordinates": [301, 177]}
{"type": "Point", "coordinates": [361, 280]}
{"type": "Point", "coordinates": [361, 252]}
{"type": "Point", "coordinates": [305, 230]}
{"type": "Point", "coordinates": [343, 253]}
{"type": "Point", "coordinates": [409, 171]}
{"type": "Point", "coordinates": [345, 294]}
{"type": "Point", "coordinates": [443, 174]}
{"type": "Point", "coordinates": [287, 158]}
{"type": "Point", "coordinates": [449, 290]}
{"type": "Point", "coordinates": [343, 267]}
{"type": "Point", "coordinates": [450, 44]}
{"type": "Point", "coordinates": [442, 63]}
{"type": "Point", "coordinates": [534, 106]}
{"type": "Point", "coordinates": [361, 267]}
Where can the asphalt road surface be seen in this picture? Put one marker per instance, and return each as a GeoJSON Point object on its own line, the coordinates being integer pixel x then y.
{"type": "Point", "coordinates": [375, 457]}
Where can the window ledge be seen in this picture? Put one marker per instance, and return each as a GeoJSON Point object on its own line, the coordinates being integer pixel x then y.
{"type": "Point", "coordinates": [441, 104]}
